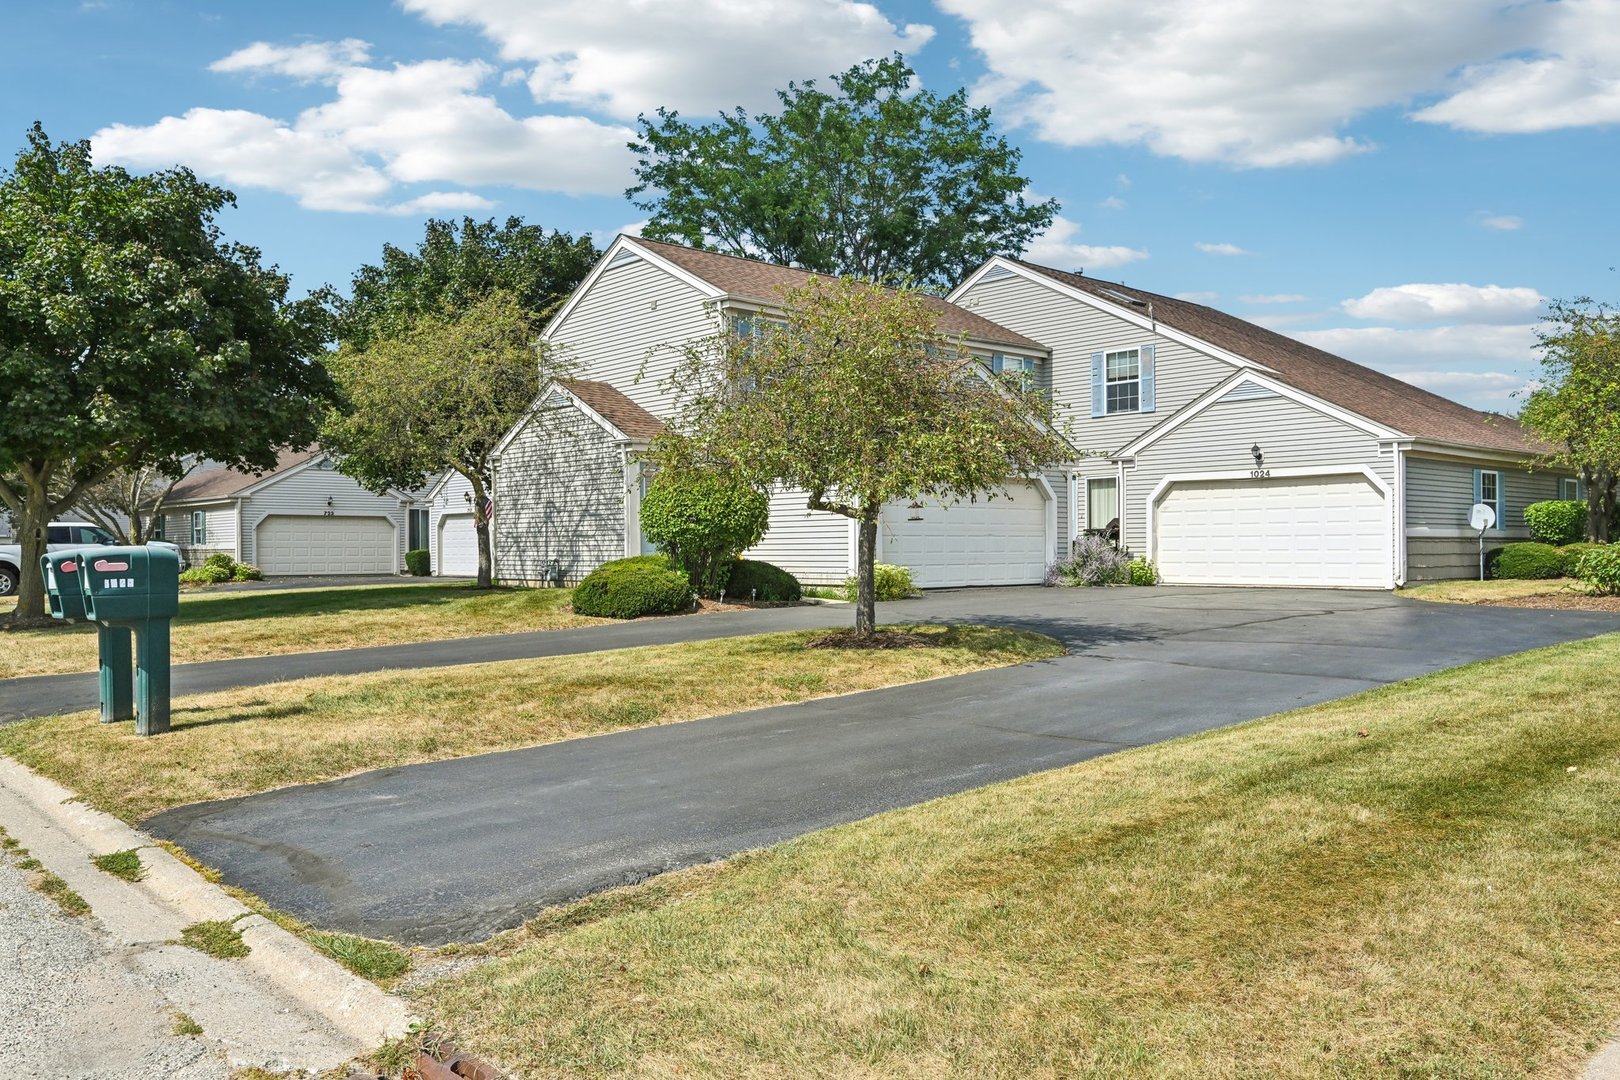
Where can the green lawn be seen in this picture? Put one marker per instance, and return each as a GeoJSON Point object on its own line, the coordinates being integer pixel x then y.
{"type": "Point", "coordinates": [223, 625]}
{"type": "Point", "coordinates": [1419, 881]}
{"type": "Point", "coordinates": [238, 742]}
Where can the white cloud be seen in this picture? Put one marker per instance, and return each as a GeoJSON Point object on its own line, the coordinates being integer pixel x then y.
{"type": "Point", "coordinates": [624, 57]}
{"type": "Point", "coordinates": [1198, 297]}
{"type": "Point", "coordinates": [1221, 249]}
{"type": "Point", "coordinates": [415, 123]}
{"type": "Point", "coordinates": [1056, 247]}
{"type": "Point", "coordinates": [1273, 298]}
{"type": "Point", "coordinates": [1466, 303]}
{"type": "Point", "coordinates": [1501, 222]}
{"type": "Point", "coordinates": [312, 61]}
{"type": "Point", "coordinates": [1570, 77]}
{"type": "Point", "coordinates": [1264, 83]}
{"type": "Point", "coordinates": [1395, 348]}
{"type": "Point", "coordinates": [443, 202]}
{"type": "Point", "coordinates": [1113, 202]}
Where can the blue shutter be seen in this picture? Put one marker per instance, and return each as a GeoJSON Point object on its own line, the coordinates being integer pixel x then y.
{"type": "Point", "coordinates": [1501, 500]}
{"type": "Point", "coordinates": [1098, 406]}
{"type": "Point", "coordinates": [997, 362]}
{"type": "Point", "coordinates": [1145, 399]}
{"type": "Point", "coordinates": [1479, 485]}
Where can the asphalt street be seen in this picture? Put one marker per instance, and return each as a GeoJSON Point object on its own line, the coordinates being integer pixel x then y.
{"type": "Point", "coordinates": [458, 850]}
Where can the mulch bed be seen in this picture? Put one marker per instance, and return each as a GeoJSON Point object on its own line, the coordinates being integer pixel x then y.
{"type": "Point", "coordinates": [1571, 601]}
{"type": "Point", "coordinates": [880, 639]}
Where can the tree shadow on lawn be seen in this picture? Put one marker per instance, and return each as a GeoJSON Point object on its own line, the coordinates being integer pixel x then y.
{"type": "Point", "coordinates": [1078, 634]}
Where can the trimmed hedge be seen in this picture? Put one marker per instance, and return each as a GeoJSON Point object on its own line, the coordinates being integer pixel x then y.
{"type": "Point", "coordinates": [703, 521]}
{"type": "Point", "coordinates": [631, 588]}
{"type": "Point", "coordinates": [888, 582]}
{"type": "Point", "coordinates": [761, 581]}
{"type": "Point", "coordinates": [418, 562]}
{"type": "Point", "coordinates": [1556, 521]}
{"type": "Point", "coordinates": [1528, 561]}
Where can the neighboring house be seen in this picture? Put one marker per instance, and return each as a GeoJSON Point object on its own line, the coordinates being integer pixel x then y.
{"type": "Point", "coordinates": [301, 517]}
{"type": "Point", "coordinates": [1234, 455]}
{"type": "Point", "coordinates": [568, 480]}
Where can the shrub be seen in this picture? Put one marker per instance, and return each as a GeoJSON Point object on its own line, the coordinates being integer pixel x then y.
{"type": "Point", "coordinates": [888, 582]}
{"type": "Point", "coordinates": [1142, 572]}
{"type": "Point", "coordinates": [1599, 569]}
{"type": "Point", "coordinates": [245, 572]}
{"type": "Point", "coordinates": [703, 521]}
{"type": "Point", "coordinates": [631, 588]}
{"type": "Point", "coordinates": [1522, 561]}
{"type": "Point", "coordinates": [1556, 521]}
{"type": "Point", "coordinates": [754, 580]}
{"type": "Point", "coordinates": [209, 573]}
{"type": "Point", "coordinates": [1572, 553]}
{"type": "Point", "coordinates": [1092, 561]}
{"type": "Point", "coordinates": [221, 560]}
{"type": "Point", "coordinates": [418, 562]}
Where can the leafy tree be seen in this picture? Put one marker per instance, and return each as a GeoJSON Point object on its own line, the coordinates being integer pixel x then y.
{"type": "Point", "coordinates": [703, 521]}
{"type": "Point", "coordinates": [1576, 407]}
{"type": "Point", "coordinates": [436, 395]}
{"type": "Point", "coordinates": [455, 267]}
{"type": "Point", "coordinates": [133, 336]}
{"type": "Point", "coordinates": [875, 181]}
{"type": "Point", "coordinates": [859, 400]}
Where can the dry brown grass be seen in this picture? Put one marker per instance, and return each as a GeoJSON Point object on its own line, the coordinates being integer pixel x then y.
{"type": "Point", "coordinates": [1492, 592]}
{"type": "Point", "coordinates": [223, 626]}
{"type": "Point", "coordinates": [242, 741]}
{"type": "Point", "coordinates": [1283, 898]}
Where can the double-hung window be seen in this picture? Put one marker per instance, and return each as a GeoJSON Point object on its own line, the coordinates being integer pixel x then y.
{"type": "Point", "coordinates": [199, 528]}
{"type": "Point", "coordinates": [1122, 381]}
{"type": "Point", "coordinates": [1489, 489]}
{"type": "Point", "coordinates": [1569, 489]}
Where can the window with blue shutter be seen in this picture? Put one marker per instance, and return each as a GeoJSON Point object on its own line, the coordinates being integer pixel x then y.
{"type": "Point", "coordinates": [998, 363]}
{"type": "Point", "coordinates": [1145, 396]}
{"type": "Point", "coordinates": [1098, 407]}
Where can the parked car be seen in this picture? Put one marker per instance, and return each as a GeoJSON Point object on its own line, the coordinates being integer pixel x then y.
{"type": "Point", "coordinates": [58, 535]}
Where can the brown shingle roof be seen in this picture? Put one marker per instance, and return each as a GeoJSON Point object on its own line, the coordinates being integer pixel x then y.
{"type": "Point", "coordinates": [1380, 398]}
{"type": "Point", "coordinates": [637, 423]}
{"type": "Point", "coordinates": [218, 482]}
{"type": "Point", "coordinates": [766, 282]}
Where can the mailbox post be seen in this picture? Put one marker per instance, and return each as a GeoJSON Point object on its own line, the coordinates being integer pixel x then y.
{"type": "Point", "coordinates": [136, 589]}
{"type": "Point", "coordinates": [66, 595]}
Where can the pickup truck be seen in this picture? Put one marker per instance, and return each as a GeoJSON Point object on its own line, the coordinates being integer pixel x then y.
{"type": "Point", "coordinates": [58, 535]}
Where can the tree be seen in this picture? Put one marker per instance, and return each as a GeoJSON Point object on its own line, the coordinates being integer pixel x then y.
{"type": "Point", "coordinates": [455, 267]}
{"type": "Point", "coordinates": [1576, 407]}
{"type": "Point", "coordinates": [876, 182]}
{"type": "Point", "coordinates": [703, 521]}
{"type": "Point", "coordinates": [859, 400]}
{"type": "Point", "coordinates": [133, 336]}
{"type": "Point", "coordinates": [439, 395]}
{"type": "Point", "coordinates": [129, 500]}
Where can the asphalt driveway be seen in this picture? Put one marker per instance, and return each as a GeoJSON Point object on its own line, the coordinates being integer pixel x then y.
{"type": "Point", "coordinates": [458, 850]}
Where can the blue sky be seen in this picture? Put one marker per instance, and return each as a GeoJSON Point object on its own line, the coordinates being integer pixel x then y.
{"type": "Point", "coordinates": [1404, 184]}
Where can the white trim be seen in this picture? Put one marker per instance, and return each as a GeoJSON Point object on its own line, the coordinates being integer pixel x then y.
{"type": "Point", "coordinates": [1303, 472]}
{"type": "Point", "coordinates": [632, 503]}
{"type": "Point", "coordinates": [1039, 479]}
{"type": "Point", "coordinates": [619, 245]}
{"type": "Point", "coordinates": [1400, 513]}
{"type": "Point", "coordinates": [1152, 326]}
{"type": "Point", "coordinates": [1213, 397]}
{"type": "Point", "coordinates": [238, 555]}
{"type": "Point", "coordinates": [539, 402]}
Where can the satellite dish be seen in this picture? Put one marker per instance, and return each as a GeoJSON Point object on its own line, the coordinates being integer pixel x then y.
{"type": "Point", "coordinates": [1482, 516]}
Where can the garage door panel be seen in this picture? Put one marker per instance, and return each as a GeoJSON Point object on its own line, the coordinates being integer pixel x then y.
{"type": "Point", "coordinates": [458, 546]}
{"type": "Point", "coordinates": [1318, 531]}
{"type": "Point", "coordinates": [1000, 541]}
{"type": "Point", "coordinates": [293, 545]}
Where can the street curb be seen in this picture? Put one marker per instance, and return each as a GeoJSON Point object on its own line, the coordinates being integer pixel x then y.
{"type": "Point", "coordinates": [1606, 1066]}
{"type": "Point", "coordinates": [356, 1007]}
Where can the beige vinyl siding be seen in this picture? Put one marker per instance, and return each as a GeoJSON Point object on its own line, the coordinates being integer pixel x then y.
{"type": "Point", "coordinates": [1073, 330]}
{"type": "Point", "coordinates": [304, 492]}
{"type": "Point", "coordinates": [626, 330]}
{"type": "Point", "coordinates": [220, 531]}
{"type": "Point", "coordinates": [1439, 494]}
{"type": "Point", "coordinates": [560, 492]}
{"type": "Point", "coordinates": [1218, 440]}
{"type": "Point", "coordinates": [812, 545]}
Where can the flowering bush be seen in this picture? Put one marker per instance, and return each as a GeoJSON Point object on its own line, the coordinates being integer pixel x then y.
{"type": "Point", "coordinates": [1092, 561]}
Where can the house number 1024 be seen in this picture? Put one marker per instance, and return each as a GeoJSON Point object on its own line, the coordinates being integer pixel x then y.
{"type": "Point", "coordinates": [1259, 474]}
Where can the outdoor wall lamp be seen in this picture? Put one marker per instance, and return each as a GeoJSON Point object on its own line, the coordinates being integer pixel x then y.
{"type": "Point", "coordinates": [329, 502]}
{"type": "Point", "coordinates": [1258, 456]}
{"type": "Point", "coordinates": [915, 514]}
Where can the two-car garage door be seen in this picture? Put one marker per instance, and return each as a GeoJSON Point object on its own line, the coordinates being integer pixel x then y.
{"type": "Point", "coordinates": [1329, 531]}
{"type": "Point", "coordinates": [294, 544]}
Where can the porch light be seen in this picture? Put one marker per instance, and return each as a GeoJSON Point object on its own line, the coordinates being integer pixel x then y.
{"type": "Point", "coordinates": [916, 512]}
{"type": "Point", "coordinates": [1258, 456]}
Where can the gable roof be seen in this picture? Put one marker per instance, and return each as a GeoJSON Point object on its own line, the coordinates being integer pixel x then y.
{"type": "Point", "coordinates": [756, 279]}
{"type": "Point", "coordinates": [219, 482]}
{"type": "Point", "coordinates": [1380, 398]}
{"type": "Point", "coordinates": [634, 422]}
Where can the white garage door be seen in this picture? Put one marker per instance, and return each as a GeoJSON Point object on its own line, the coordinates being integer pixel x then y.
{"type": "Point", "coordinates": [997, 542]}
{"type": "Point", "coordinates": [458, 546]}
{"type": "Point", "coordinates": [326, 545]}
{"type": "Point", "coordinates": [1324, 531]}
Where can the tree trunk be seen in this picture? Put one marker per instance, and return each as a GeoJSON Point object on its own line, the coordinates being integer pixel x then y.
{"type": "Point", "coordinates": [481, 527]}
{"type": "Point", "coordinates": [37, 510]}
{"type": "Point", "coordinates": [866, 589]}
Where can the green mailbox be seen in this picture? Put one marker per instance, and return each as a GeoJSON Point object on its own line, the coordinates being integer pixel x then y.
{"type": "Point", "coordinates": [136, 589]}
{"type": "Point", "coordinates": [65, 592]}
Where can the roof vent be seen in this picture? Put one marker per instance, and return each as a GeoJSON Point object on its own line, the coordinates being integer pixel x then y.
{"type": "Point", "coordinates": [1131, 300]}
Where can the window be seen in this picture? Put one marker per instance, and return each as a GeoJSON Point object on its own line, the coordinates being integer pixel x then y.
{"type": "Point", "coordinates": [1021, 371]}
{"type": "Point", "coordinates": [199, 528]}
{"type": "Point", "coordinates": [159, 528]}
{"type": "Point", "coordinates": [1569, 489]}
{"type": "Point", "coordinates": [1102, 502]}
{"type": "Point", "coordinates": [57, 534]}
{"type": "Point", "coordinates": [1488, 489]}
{"type": "Point", "coordinates": [92, 534]}
{"type": "Point", "coordinates": [416, 530]}
{"type": "Point", "coordinates": [1122, 381]}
